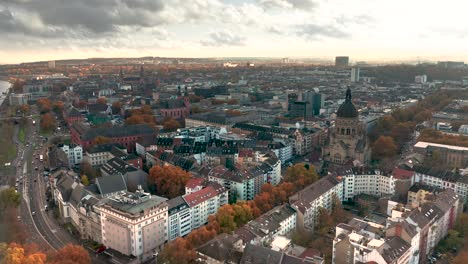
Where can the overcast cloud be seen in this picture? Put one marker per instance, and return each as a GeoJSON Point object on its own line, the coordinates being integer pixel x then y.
{"type": "Point", "coordinates": [226, 27]}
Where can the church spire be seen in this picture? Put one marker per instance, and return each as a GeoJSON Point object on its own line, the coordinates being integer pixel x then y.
{"type": "Point", "coordinates": [348, 94]}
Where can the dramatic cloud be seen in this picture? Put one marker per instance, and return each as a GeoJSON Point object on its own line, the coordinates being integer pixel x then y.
{"type": "Point", "coordinates": [220, 39]}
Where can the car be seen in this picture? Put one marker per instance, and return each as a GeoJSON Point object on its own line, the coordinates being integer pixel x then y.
{"type": "Point", "coordinates": [45, 207]}
{"type": "Point", "coordinates": [33, 213]}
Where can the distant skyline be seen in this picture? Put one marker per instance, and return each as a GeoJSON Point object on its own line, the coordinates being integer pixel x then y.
{"type": "Point", "coordinates": [372, 30]}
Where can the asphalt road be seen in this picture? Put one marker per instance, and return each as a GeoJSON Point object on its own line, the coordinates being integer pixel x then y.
{"type": "Point", "coordinates": [41, 226]}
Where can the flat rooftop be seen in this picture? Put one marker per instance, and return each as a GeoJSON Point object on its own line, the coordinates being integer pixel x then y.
{"type": "Point", "coordinates": [422, 144]}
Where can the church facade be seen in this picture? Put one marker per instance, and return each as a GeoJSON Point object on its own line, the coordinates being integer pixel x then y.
{"type": "Point", "coordinates": [348, 143]}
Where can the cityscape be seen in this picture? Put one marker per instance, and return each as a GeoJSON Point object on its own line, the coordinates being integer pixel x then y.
{"type": "Point", "coordinates": [163, 132]}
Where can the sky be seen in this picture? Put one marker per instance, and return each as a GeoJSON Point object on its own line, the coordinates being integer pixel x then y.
{"type": "Point", "coordinates": [33, 30]}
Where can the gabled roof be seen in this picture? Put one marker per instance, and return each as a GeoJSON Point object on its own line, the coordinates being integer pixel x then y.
{"type": "Point", "coordinates": [111, 184]}
{"type": "Point", "coordinates": [203, 195]}
{"type": "Point", "coordinates": [117, 165]}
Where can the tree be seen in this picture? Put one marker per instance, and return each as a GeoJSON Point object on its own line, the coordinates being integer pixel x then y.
{"type": "Point", "coordinates": [199, 236]}
{"type": "Point", "coordinates": [225, 218]}
{"type": "Point", "coordinates": [16, 254]}
{"type": "Point", "coordinates": [47, 122]}
{"type": "Point", "coordinates": [402, 132]}
{"type": "Point", "coordinates": [134, 119]}
{"type": "Point", "coordinates": [9, 198]}
{"type": "Point", "coordinates": [101, 100]}
{"type": "Point", "coordinates": [178, 251]}
{"type": "Point", "coordinates": [101, 140]}
{"type": "Point", "coordinates": [44, 105]}
{"type": "Point", "coordinates": [87, 170]}
{"type": "Point", "coordinates": [71, 254]}
{"type": "Point", "coordinates": [171, 125]}
{"type": "Point", "coordinates": [24, 109]}
{"type": "Point", "coordinates": [16, 231]}
{"type": "Point", "coordinates": [461, 225]}
{"type": "Point", "coordinates": [169, 180]}
{"type": "Point", "coordinates": [461, 257]}
{"type": "Point", "coordinates": [384, 147]}
{"type": "Point", "coordinates": [324, 221]}
{"type": "Point", "coordinates": [232, 101]}
{"type": "Point", "coordinates": [17, 86]}
{"type": "Point", "coordinates": [58, 107]}
{"type": "Point", "coordinates": [338, 214]}
{"type": "Point", "coordinates": [84, 180]}
{"type": "Point", "coordinates": [300, 175]}
{"type": "Point", "coordinates": [116, 107]}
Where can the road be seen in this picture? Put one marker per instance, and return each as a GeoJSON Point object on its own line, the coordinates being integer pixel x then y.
{"type": "Point", "coordinates": [42, 227]}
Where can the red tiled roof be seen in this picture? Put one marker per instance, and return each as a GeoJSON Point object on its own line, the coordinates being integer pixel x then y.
{"type": "Point", "coordinates": [402, 174]}
{"type": "Point", "coordinates": [202, 195]}
{"type": "Point", "coordinates": [194, 182]}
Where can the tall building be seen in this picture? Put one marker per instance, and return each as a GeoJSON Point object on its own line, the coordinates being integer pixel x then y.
{"type": "Point", "coordinates": [355, 74]}
{"type": "Point", "coordinates": [134, 224]}
{"type": "Point", "coordinates": [348, 139]}
{"type": "Point", "coordinates": [51, 64]}
{"type": "Point", "coordinates": [341, 61]}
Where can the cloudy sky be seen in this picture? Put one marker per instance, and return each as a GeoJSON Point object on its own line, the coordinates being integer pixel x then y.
{"type": "Point", "coordinates": [34, 30]}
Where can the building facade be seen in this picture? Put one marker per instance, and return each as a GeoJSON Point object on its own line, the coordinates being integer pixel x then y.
{"type": "Point", "coordinates": [134, 224]}
{"type": "Point", "coordinates": [348, 139]}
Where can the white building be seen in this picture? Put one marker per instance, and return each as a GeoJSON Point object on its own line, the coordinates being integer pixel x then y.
{"type": "Point", "coordinates": [243, 183]}
{"type": "Point", "coordinates": [283, 150]}
{"type": "Point", "coordinates": [355, 74]}
{"type": "Point", "coordinates": [443, 179]}
{"type": "Point", "coordinates": [74, 153]}
{"type": "Point", "coordinates": [422, 79]}
{"type": "Point", "coordinates": [180, 219]}
{"type": "Point", "coordinates": [205, 202]}
{"type": "Point", "coordinates": [373, 182]}
{"type": "Point", "coordinates": [317, 195]}
{"type": "Point", "coordinates": [134, 224]}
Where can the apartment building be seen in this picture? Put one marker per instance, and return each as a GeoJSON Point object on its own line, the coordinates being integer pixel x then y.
{"type": "Point", "coordinates": [372, 182]}
{"type": "Point", "coordinates": [443, 179]}
{"type": "Point", "coordinates": [74, 153]}
{"type": "Point", "coordinates": [179, 218]}
{"type": "Point", "coordinates": [99, 154]}
{"type": "Point", "coordinates": [279, 221]}
{"type": "Point", "coordinates": [243, 183]}
{"type": "Point", "coordinates": [362, 242]}
{"type": "Point", "coordinates": [308, 201]}
{"type": "Point", "coordinates": [205, 202]}
{"type": "Point", "coordinates": [134, 224]}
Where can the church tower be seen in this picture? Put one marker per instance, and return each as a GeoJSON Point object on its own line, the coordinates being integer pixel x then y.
{"type": "Point", "coordinates": [348, 142]}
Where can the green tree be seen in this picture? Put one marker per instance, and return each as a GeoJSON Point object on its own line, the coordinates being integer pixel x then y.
{"type": "Point", "coordinates": [9, 198]}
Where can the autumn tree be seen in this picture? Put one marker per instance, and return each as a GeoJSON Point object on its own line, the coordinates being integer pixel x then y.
{"type": "Point", "coordinates": [16, 254]}
{"type": "Point", "coordinates": [338, 214]}
{"type": "Point", "coordinates": [17, 86]}
{"type": "Point", "coordinates": [324, 221]}
{"type": "Point", "coordinates": [58, 106]}
{"type": "Point", "coordinates": [47, 122]}
{"type": "Point", "coordinates": [116, 107]}
{"type": "Point", "coordinates": [232, 101]}
{"type": "Point", "coordinates": [101, 100]}
{"type": "Point", "coordinates": [171, 125]}
{"type": "Point", "coordinates": [225, 218]}
{"type": "Point", "coordinates": [199, 236]}
{"type": "Point", "coordinates": [71, 254]}
{"type": "Point", "coordinates": [461, 257]}
{"type": "Point", "coordinates": [16, 231]}
{"type": "Point", "coordinates": [168, 180]}
{"type": "Point", "coordinates": [144, 115]}
{"type": "Point", "coordinates": [300, 175]}
{"type": "Point", "coordinates": [87, 170]}
{"type": "Point", "coordinates": [384, 147]}
{"type": "Point", "coordinates": [101, 140]}
{"type": "Point", "coordinates": [84, 180]}
{"type": "Point", "coordinates": [24, 109]}
{"type": "Point", "coordinates": [44, 105]}
{"type": "Point", "coordinates": [178, 251]}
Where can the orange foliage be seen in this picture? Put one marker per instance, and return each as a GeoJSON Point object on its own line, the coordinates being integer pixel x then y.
{"type": "Point", "coordinates": [171, 125]}
{"type": "Point", "coordinates": [71, 254]}
{"type": "Point", "coordinates": [16, 254]}
{"type": "Point", "coordinates": [44, 105]}
{"type": "Point", "coordinates": [47, 122]}
{"type": "Point", "coordinates": [178, 251]}
{"type": "Point", "coordinates": [431, 135]}
{"type": "Point", "coordinates": [169, 180]}
{"type": "Point", "coordinates": [101, 100]}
